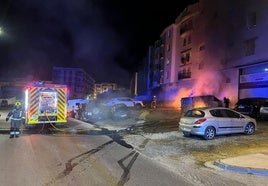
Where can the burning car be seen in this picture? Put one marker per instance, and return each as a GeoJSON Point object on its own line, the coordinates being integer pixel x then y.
{"type": "Point", "coordinates": [188, 103]}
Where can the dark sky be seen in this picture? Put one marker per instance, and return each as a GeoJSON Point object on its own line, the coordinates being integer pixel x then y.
{"type": "Point", "coordinates": [108, 38]}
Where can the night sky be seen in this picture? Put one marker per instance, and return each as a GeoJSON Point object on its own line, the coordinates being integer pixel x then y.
{"type": "Point", "coordinates": [108, 38]}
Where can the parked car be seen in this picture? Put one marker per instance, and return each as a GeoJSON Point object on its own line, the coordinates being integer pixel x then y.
{"type": "Point", "coordinates": [251, 106]}
{"type": "Point", "coordinates": [188, 103]}
{"type": "Point", "coordinates": [209, 122]}
{"type": "Point", "coordinates": [129, 102]}
{"type": "Point", "coordinates": [4, 103]}
{"type": "Point", "coordinates": [94, 111]}
{"type": "Point", "coordinates": [264, 110]}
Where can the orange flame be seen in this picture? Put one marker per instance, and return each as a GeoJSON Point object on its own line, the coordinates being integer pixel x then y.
{"type": "Point", "coordinates": [200, 104]}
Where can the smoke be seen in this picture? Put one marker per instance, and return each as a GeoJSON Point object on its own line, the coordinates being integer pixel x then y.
{"type": "Point", "coordinates": [63, 33]}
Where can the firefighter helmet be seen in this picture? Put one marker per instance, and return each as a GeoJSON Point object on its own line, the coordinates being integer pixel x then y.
{"type": "Point", "coordinates": [18, 104]}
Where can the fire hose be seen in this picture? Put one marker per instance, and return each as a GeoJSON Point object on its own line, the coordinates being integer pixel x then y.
{"type": "Point", "coordinates": [58, 129]}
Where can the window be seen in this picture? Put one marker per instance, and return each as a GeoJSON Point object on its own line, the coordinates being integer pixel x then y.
{"type": "Point", "coordinates": [168, 47]}
{"type": "Point", "coordinates": [202, 47]}
{"type": "Point", "coordinates": [250, 46]}
{"type": "Point", "coordinates": [168, 33]}
{"type": "Point", "coordinates": [167, 61]}
{"type": "Point", "coordinates": [184, 42]}
{"type": "Point", "coordinates": [186, 26]}
{"type": "Point", "coordinates": [216, 113]}
{"type": "Point", "coordinates": [185, 57]}
{"type": "Point", "coordinates": [195, 113]}
{"type": "Point", "coordinates": [70, 76]}
{"type": "Point", "coordinates": [187, 40]}
{"type": "Point", "coordinates": [184, 73]}
{"type": "Point", "coordinates": [232, 114]}
{"type": "Point", "coordinates": [167, 74]}
{"type": "Point", "coordinates": [251, 20]}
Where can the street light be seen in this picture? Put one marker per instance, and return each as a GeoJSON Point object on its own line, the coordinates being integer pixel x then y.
{"type": "Point", "coordinates": [3, 33]}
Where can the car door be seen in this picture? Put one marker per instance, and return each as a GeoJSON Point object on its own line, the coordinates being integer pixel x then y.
{"type": "Point", "coordinates": [237, 122]}
{"type": "Point", "coordinates": [223, 120]}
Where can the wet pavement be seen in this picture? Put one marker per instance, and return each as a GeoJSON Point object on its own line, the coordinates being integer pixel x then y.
{"type": "Point", "coordinates": [256, 163]}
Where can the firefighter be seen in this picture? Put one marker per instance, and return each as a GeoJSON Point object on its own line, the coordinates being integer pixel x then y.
{"type": "Point", "coordinates": [154, 102]}
{"type": "Point", "coordinates": [16, 115]}
{"type": "Point", "coordinates": [226, 102]}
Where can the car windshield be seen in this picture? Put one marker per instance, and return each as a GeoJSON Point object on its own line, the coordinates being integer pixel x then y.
{"type": "Point", "coordinates": [194, 113]}
{"type": "Point", "coordinates": [265, 104]}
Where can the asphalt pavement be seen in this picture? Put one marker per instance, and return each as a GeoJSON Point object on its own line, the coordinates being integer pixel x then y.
{"type": "Point", "coordinates": [256, 163]}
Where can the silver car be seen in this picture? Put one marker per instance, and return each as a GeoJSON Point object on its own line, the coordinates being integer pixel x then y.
{"type": "Point", "coordinates": [209, 122]}
{"type": "Point", "coordinates": [264, 110]}
{"type": "Point", "coordinates": [129, 102]}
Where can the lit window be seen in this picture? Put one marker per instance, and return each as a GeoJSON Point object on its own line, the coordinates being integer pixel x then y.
{"type": "Point", "coordinates": [185, 57]}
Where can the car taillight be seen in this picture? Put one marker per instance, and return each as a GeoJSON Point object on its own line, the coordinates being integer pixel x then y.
{"type": "Point", "coordinates": [200, 121]}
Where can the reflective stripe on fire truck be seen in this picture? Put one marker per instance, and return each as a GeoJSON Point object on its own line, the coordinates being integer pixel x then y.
{"type": "Point", "coordinates": [33, 105]}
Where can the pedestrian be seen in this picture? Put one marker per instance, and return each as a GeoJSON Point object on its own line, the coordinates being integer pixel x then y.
{"type": "Point", "coordinates": [16, 116]}
{"type": "Point", "coordinates": [226, 102]}
{"type": "Point", "coordinates": [154, 102]}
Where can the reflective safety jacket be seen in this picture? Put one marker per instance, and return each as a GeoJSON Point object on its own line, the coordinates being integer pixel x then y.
{"type": "Point", "coordinates": [16, 114]}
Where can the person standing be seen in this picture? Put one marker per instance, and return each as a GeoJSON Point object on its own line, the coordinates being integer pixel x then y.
{"type": "Point", "coordinates": [16, 116]}
{"type": "Point", "coordinates": [154, 103]}
{"type": "Point", "coordinates": [226, 102]}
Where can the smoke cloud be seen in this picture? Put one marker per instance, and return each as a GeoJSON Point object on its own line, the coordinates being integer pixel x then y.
{"type": "Point", "coordinates": [63, 33]}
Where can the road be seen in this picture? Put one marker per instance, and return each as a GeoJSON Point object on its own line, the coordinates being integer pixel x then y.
{"type": "Point", "coordinates": [71, 159]}
{"type": "Point", "coordinates": [97, 156]}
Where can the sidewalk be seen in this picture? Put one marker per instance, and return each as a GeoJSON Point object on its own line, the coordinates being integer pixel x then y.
{"type": "Point", "coordinates": [256, 163]}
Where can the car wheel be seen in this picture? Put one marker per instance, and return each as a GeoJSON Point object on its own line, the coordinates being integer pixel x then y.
{"type": "Point", "coordinates": [210, 133]}
{"type": "Point", "coordinates": [186, 134]}
{"type": "Point", "coordinates": [138, 106]}
{"type": "Point", "coordinates": [249, 129]}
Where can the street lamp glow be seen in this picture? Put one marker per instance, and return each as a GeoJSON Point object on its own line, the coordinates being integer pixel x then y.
{"type": "Point", "coordinates": [1, 30]}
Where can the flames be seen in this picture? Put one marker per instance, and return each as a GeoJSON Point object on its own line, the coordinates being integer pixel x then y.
{"type": "Point", "coordinates": [200, 104]}
{"type": "Point", "coordinates": [183, 92]}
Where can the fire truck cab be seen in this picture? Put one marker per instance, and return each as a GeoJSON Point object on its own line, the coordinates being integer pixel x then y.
{"type": "Point", "coordinates": [45, 103]}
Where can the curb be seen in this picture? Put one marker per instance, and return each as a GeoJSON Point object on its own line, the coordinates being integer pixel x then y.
{"type": "Point", "coordinates": [244, 170]}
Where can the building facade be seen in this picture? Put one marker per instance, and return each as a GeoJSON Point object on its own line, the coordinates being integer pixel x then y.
{"type": "Point", "coordinates": [212, 49]}
{"type": "Point", "coordinates": [80, 83]}
{"type": "Point", "coordinates": [100, 88]}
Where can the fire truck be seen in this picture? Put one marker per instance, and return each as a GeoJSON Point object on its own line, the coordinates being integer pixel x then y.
{"type": "Point", "coordinates": [45, 103]}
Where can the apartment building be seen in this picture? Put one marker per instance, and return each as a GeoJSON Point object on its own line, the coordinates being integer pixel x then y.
{"type": "Point", "coordinates": [100, 88]}
{"type": "Point", "coordinates": [212, 48]}
{"type": "Point", "coordinates": [80, 83]}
